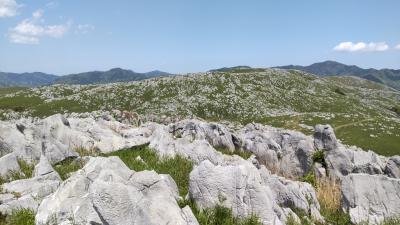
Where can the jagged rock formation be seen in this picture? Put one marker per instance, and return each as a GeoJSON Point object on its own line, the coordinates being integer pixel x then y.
{"type": "Point", "coordinates": [105, 191]}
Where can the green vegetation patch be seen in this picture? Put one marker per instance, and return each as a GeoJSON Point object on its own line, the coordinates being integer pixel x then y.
{"type": "Point", "coordinates": [19, 217]}
{"type": "Point", "coordinates": [25, 173]}
{"type": "Point", "coordinates": [67, 167]}
{"type": "Point", "coordinates": [219, 215]}
{"type": "Point", "coordinates": [242, 153]}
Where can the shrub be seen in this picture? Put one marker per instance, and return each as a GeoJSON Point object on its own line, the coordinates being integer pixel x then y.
{"type": "Point", "coordinates": [319, 157]}
{"type": "Point", "coordinates": [309, 178]}
{"type": "Point", "coordinates": [339, 91]}
{"type": "Point", "coordinates": [178, 167]}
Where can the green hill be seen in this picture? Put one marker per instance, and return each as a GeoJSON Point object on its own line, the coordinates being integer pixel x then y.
{"type": "Point", "coordinates": [363, 113]}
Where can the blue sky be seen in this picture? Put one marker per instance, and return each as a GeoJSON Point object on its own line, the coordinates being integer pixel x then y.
{"type": "Point", "coordinates": [68, 36]}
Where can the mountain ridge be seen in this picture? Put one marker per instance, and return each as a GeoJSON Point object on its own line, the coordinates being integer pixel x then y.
{"type": "Point", "coordinates": [389, 77]}
{"type": "Point", "coordinates": [36, 79]}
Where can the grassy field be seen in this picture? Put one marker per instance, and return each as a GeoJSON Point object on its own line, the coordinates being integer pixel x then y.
{"type": "Point", "coordinates": [363, 113]}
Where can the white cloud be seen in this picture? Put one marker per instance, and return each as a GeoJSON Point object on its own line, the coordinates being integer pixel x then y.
{"type": "Point", "coordinates": [84, 28]}
{"type": "Point", "coordinates": [29, 31]}
{"type": "Point", "coordinates": [361, 47]}
{"type": "Point", "coordinates": [397, 47]}
{"type": "Point", "coordinates": [8, 8]}
{"type": "Point", "coordinates": [37, 14]}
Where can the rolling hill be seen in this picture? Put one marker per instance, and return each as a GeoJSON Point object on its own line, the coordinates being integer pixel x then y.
{"type": "Point", "coordinates": [363, 113]}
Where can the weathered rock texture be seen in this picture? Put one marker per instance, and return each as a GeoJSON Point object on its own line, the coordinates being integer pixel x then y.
{"type": "Point", "coordinates": [105, 191]}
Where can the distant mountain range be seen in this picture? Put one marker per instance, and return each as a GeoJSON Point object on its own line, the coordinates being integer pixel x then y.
{"type": "Point", "coordinates": [94, 77]}
{"type": "Point", "coordinates": [26, 79]}
{"type": "Point", "coordinates": [388, 77]}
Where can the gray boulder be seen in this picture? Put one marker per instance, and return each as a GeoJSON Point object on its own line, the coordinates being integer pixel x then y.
{"type": "Point", "coordinates": [238, 187]}
{"type": "Point", "coordinates": [370, 198]}
{"type": "Point", "coordinates": [105, 191]}
{"type": "Point", "coordinates": [293, 194]}
{"type": "Point", "coordinates": [284, 152]}
{"type": "Point", "coordinates": [215, 134]}
{"type": "Point", "coordinates": [325, 138]}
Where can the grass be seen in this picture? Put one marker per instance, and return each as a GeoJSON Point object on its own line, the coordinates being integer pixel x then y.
{"type": "Point", "coordinates": [68, 166]}
{"type": "Point", "coordinates": [309, 178]}
{"type": "Point", "coordinates": [219, 215]}
{"type": "Point", "coordinates": [25, 173]}
{"type": "Point", "coordinates": [178, 167]}
{"type": "Point", "coordinates": [282, 99]}
{"type": "Point", "coordinates": [244, 154]}
{"type": "Point", "coordinates": [19, 217]}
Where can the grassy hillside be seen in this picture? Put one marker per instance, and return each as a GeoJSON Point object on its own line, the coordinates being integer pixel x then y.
{"type": "Point", "coordinates": [363, 113]}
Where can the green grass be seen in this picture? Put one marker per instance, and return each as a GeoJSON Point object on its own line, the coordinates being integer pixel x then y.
{"type": "Point", "coordinates": [25, 173]}
{"type": "Point", "coordinates": [68, 166]}
{"type": "Point", "coordinates": [335, 217]}
{"type": "Point", "coordinates": [219, 215]}
{"type": "Point", "coordinates": [281, 99]}
{"type": "Point", "coordinates": [19, 217]}
{"type": "Point", "coordinates": [178, 167]}
{"type": "Point", "coordinates": [244, 154]}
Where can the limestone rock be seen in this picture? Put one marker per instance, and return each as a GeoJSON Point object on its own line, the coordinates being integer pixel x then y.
{"type": "Point", "coordinates": [105, 191]}
{"type": "Point", "coordinates": [238, 187]}
{"type": "Point", "coordinates": [28, 193]}
{"type": "Point", "coordinates": [370, 198]}
{"type": "Point", "coordinates": [324, 137]}
{"type": "Point", "coordinates": [8, 163]}
{"type": "Point", "coordinates": [392, 168]}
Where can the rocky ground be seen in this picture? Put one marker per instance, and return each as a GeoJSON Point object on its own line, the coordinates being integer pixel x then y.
{"type": "Point", "coordinates": [93, 169]}
{"type": "Point", "coordinates": [363, 113]}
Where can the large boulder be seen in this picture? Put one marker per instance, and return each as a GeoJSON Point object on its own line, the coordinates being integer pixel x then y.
{"type": "Point", "coordinates": [105, 191]}
{"type": "Point", "coordinates": [218, 136]}
{"type": "Point", "coordinates": [370, 198]}
{"type": "Point", "coordinates": [197, 150]}
{"type": "Point", "coordinates": [238, 187]}
{"type": "Point", "coordinates": [284, 152]}
{"type": "Point", "coordinates": [293, 194]}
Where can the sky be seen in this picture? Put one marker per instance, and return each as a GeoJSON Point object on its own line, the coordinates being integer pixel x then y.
{"type": "Point", "coordinates": [180, 36]}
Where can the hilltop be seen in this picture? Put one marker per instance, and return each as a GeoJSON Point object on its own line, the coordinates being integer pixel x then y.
{"type": "Point", "coordinates": [363, 113]}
